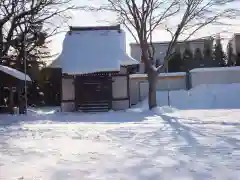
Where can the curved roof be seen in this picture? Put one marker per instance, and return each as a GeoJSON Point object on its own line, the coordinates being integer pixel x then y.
{"type": "Point", "coordinates": [127, 61]}
{"type": "Point", "coordinates": [91, 50]}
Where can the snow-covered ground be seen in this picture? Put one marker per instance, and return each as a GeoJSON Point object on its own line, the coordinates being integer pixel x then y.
{"type": "Point", "coordinates": [196, 139]}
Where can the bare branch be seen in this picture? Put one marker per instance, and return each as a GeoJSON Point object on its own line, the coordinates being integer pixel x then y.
{"type": "Point", "coordinates": [143, 17]}
{"type": "Point", "coordinates": [33, 16]}
{"type": "Point", "coordinates": [197, 15]}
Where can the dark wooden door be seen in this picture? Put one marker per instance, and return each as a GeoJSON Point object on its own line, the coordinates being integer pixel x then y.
{"type": "Point", "coordinates": [93, 93]}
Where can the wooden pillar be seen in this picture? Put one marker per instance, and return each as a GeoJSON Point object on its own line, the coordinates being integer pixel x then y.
{"type": "Point", "coordinates": [128, 90]}
{"type": "Point", "coordinates": [1, 96]}
{"type": "Point", "coordinates": [11, 100]}
{"type": "Point", "coordinates": [110, 84]}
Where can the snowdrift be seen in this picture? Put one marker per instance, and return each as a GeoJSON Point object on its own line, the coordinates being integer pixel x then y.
{"type": "Point", "coordinates": [215, 96]}
{"type": "Point", "coordinates": [202, 97]}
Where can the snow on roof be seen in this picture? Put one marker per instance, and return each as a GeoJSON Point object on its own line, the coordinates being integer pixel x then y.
{"type": "Point", "coordinates": [15, 73]}
{"type": "Point", "coordinates": [128, 61]}
{"type": "Point", "coordinates": [88, 50]}
{"type": "Point", "coordinates": [173, 74]}
{"type": "Point", "coordinates": [160, 75]}
{"type": "Point", "coordinates": [237, 68]}
{"type": "Point", "coordinates": [124, 62]}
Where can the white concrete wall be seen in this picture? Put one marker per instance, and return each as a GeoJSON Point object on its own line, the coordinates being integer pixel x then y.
{"type": "Point", "coordinates": [68, 89]}
{"type": "Point", "coordinates": [166, 81]}
{"type": "Point", "coordinates": [222, 75]}
{"type": "Point", "coordinates": [120, 90]}
{"type": "Point", "coordinates": [135, 90]}
{"type": "Point", "coordinates": [120, 105]}
{"type": "Point", "coordinates": [143, 90]}
{"type": "Point", "coordinates": [172, 84]}
{"type": "Point", "coordinates": [68, 106]}
{"type": "Point", "coordinates": [68, 94]}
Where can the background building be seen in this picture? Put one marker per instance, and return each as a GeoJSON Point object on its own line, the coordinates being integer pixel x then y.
{"type": "Point", "coordinates": [235, 45]}
{"type": "Point", "coordinates": [161, 48]}
{"type": "Point", "coordinates": [235, 42]}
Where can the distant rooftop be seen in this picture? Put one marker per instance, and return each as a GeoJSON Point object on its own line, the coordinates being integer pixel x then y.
{"type": "Point", "coordinates": [193, 40]}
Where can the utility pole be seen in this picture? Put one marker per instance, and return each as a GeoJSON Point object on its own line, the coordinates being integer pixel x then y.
{"type": "Point", "coordinates": [168, 88]}
{"type": "Point", "coordinates": [25, 77]}
{"type": "Point", "coordinates": [25, 63]}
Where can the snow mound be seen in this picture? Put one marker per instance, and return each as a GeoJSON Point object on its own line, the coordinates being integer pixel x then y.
{"type": "Point", "coordinates": [236, 68]}
{"type": "Point", "coordinates": [164, 109]}
{"type": "Point", "coordinates": [202, 97]}
{"type": "Point", "coordinates": [44, 111]}
{"type": "Point", "coordinates": [158, 110]}
{"type": "Point", "coordinates": [215, 96]}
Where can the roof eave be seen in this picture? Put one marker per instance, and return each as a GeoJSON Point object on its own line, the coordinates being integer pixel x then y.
{"type": "Point", "coordinates": [94, 28]}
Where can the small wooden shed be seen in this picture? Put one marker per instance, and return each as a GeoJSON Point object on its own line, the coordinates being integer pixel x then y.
{"type": "Point", "coordinates": [12, 89]}
{"type": "Point", "coordinates": [95, 69]}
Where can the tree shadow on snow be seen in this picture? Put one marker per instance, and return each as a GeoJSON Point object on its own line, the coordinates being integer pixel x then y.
{"type": "Point", "coordinates": [189, 133]}
{"type": "Point", "coordinates": [104, 117]}
{"type": "Point", "coordinates": [177, 140]}
{"type": "Point", "coordinates": [114, 117]}
{"type": "Point", "coordinates": [186, 130]}
{"type": "Point", "coordinates": [195, 145]}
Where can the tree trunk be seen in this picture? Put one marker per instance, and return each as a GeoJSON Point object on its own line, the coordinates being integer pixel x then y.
{"type": "Point", "coordinates": [21, 103]}
{"type": "Point", "coordinates": [152, 94]}
{"type": "Point", "coordinates": [152, 74]}
{"type": "Point", "coordinates": [1, 42]}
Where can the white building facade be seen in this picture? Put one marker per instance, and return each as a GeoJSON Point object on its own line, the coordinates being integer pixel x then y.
{"type": "Point", "coordinates": [161, 48]}
{"type": "Point", "coordinates": [235, 43]}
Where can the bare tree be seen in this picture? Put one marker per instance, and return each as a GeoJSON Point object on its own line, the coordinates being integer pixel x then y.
{"type": "Point", "coordinates": [197, 14]}
{"type": "Point", "coordinates": [142, 17]}
{"type": "Point", "coordinates": [25, 26]}
{"type": "Point", "coordinates": [31, 20]}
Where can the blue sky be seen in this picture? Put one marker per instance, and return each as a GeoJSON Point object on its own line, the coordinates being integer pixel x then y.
{"type": "Point", "coordinates": [93, 19]}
